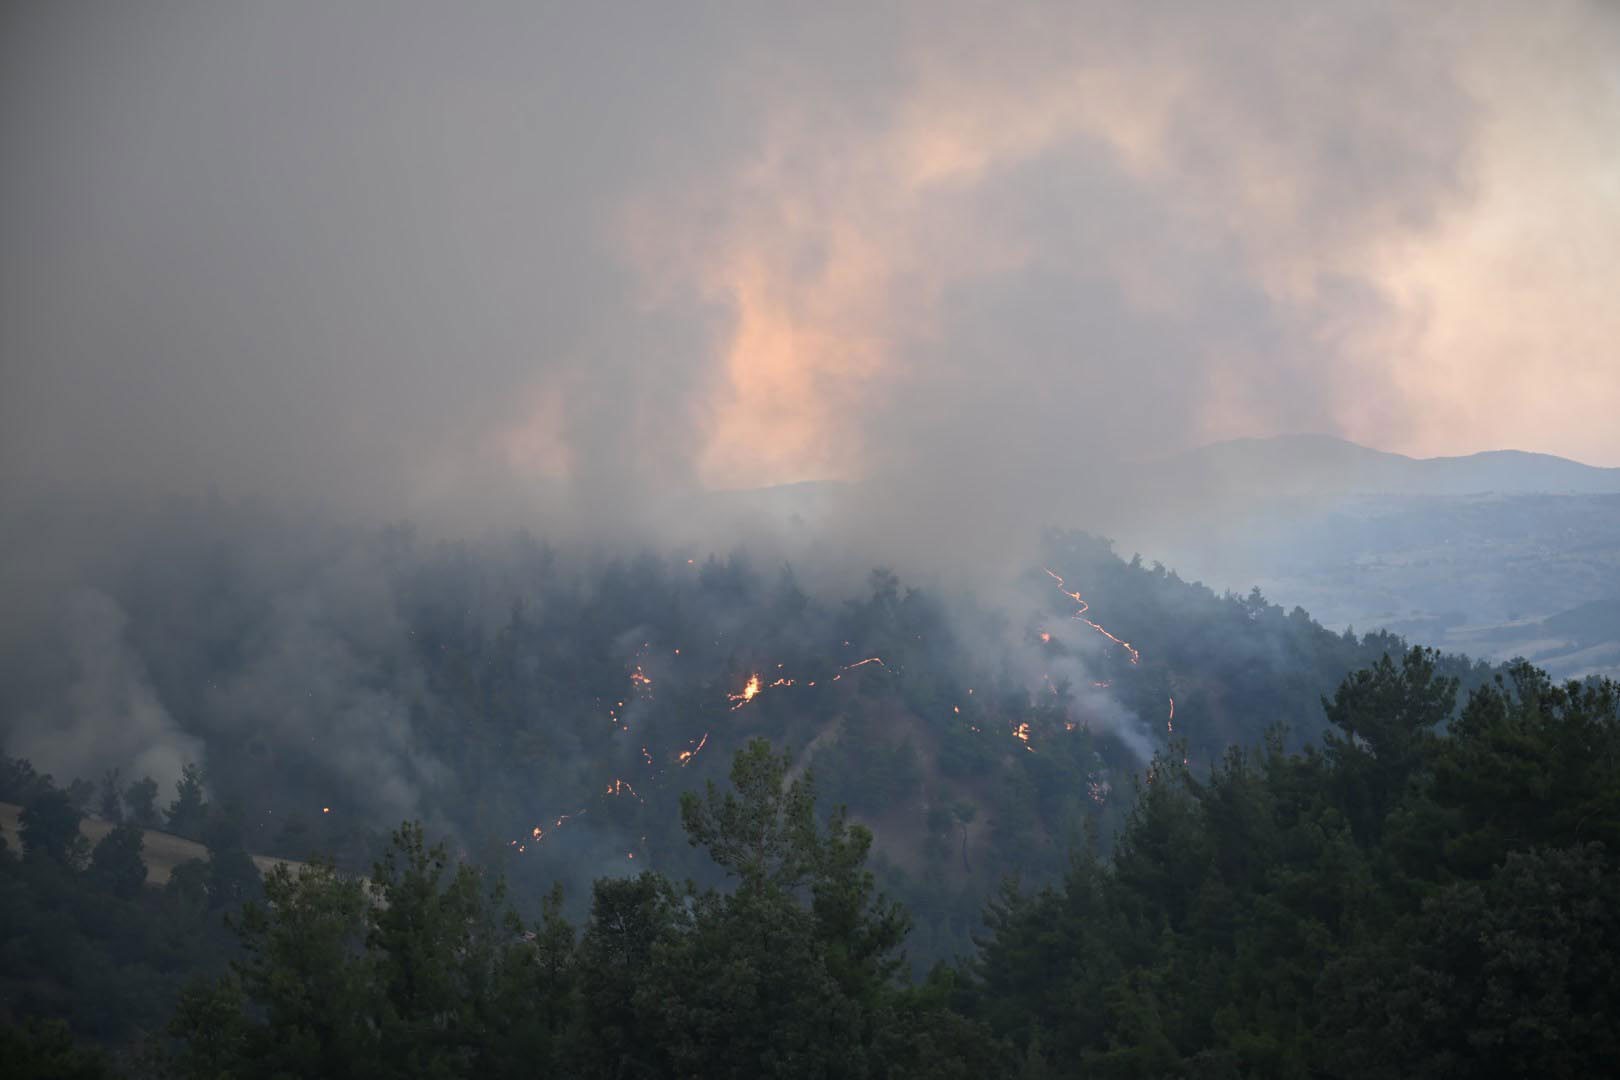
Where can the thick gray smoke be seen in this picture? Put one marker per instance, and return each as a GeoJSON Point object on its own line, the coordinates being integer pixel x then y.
{"type": "Point", "coordinates": [401, 257]}
{"type": "Point", "coordinates": [109, 717]}
{"type": "Point", "coordinates": [585, 268]}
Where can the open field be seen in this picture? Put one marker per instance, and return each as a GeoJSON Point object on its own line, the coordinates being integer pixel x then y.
{"type": "Point", "coordinates": [162, 851]}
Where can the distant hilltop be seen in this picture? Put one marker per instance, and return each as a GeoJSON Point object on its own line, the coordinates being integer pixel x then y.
{"type": "Point", "coordinates": [1322, 465]}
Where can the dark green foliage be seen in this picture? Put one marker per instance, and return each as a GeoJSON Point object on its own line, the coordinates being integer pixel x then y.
{"type": "Point", "coordinates": [111, 805]}
{"type": "Point", "coordinates": [1530, 763]}
{"type": "Point", "coordinates": [140, 800]}
{"type": "Point", "coordinates": [45, 1050]}
{"type": "Point", "coordinates": [1516, 975]}
{"type": "Point", "coordinates": [187, 815]}
{"type": "Point", "coordinates": [231, 878]}
{"type": "Point", "coordinates": [82, 792]}
{"type": "Point", "coordinates": [18, 780]}
{"type": "Point", "coordinates": [630, 918]}
{"type": "Point", "coordinates": [435, 942]}
{"type": "Point", "coordinates": [1388, 887]}
{"type": "Point", "coordinates": [762, 983]}
{"type": "Point", "coordinates": [421, 972]}
{"type": "Point", "coordinates": [95, 948]}
{"type": "Point", "coordinates": [49, 827]}
{"type": "Point", "coordinates": [1430, 896]}
{"type": "Point", "coordinates": [116, 862]}
{"type": "Point", "coordinates": [1423, 899]}
{"type": "Point", "coordinates": [1386, 717]}
{"type": "Point", "coordinates": [764, 831]}
{"type": "Point", "coordinates": [300, 970]}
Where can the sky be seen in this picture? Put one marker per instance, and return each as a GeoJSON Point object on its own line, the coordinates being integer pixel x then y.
{"type": "Point", "coordinates": [396, 256]}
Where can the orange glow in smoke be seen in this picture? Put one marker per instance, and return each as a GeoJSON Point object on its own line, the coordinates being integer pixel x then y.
{"type": "Point", "coordinates": [749, 692]}
{"type": "Point", "coordinates": [1130, 649]}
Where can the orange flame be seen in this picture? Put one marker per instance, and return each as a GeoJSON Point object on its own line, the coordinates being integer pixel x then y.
{"type": "Point", "coordinates": [1021, 733]}
{"type": "Point", "coordinates": [749, 692]}
{"type": "Point", "coordinates": [1130, 649]}
{"type": "Point", "coordinates": [686, 756]}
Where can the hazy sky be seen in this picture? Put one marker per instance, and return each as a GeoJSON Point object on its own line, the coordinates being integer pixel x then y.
{"type": "Point", "coordinates": [389, 253]}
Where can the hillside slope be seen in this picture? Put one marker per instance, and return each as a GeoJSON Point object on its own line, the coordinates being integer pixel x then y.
{"type": "Point", "coordinates": [545, 716]}
{"type": "Point", "coordinates": [162, 852]}
{"type": "Point", "coordinates": [1321, 465]}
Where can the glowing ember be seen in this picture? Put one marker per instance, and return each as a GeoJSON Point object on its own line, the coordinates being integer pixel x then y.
{"type": "Point", "coordinates": [538, 834]}
{"type": "Point", "coordinates": [749, 692]}
{"type": "Point", "coordinates": [641, 682]}
{"type": "Point", "coordinates": [686, 756]}
{"type": "Point", "coordinates": [860, 663]}
{"type": "Point", "coordinates": [1130, 649]}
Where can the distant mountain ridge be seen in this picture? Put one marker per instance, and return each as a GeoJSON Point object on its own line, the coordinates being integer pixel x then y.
{"type": "Point", "coordinates": [1322, 465]}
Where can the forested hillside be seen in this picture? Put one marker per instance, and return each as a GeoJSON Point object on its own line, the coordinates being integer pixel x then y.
{"type": "Point", "coordinates": [544, 712]}
{"type": "Point", "coordinates": [1427, 891]}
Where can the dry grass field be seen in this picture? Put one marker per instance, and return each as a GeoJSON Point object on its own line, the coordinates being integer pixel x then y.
{"type": "Point", "coordinates": [162, 851]}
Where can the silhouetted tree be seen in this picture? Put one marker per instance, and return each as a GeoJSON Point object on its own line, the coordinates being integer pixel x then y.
{"type": "Point", "coordinates": [112, 805]}
{"type": "Point", "coordinates": [49, 828]}
{"type": "Point", "coordinates": [188, 813]}
{"type": "Point", "coordinates": [116, 862]}
{"type": "Point", "coordinates": [141, 800]}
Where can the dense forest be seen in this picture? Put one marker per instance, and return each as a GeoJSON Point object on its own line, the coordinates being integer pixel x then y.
{"type": "Point", "coordinates": [1099, 820]}
{"type": "Point", "coordinates": [1429, 890]}
{"type": "Point", "coordinates": [543, 711]}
